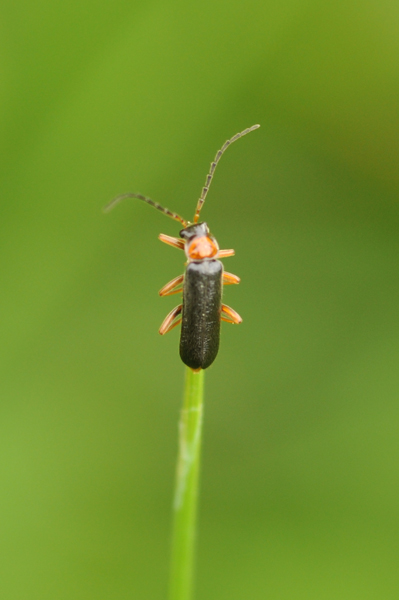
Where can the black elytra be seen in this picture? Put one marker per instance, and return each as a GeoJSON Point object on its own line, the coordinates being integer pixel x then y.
{"type": "Point", "coordinates": [202, 303]}
{"type": "Point", "coordinates": [202, 309]}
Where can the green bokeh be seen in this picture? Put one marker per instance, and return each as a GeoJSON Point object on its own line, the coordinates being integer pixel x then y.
{"type": "Point", "coordinates": [300, 475]}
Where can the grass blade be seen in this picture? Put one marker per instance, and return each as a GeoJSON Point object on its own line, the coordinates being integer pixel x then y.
{"type": "Point", "coordinates": [186, 490]}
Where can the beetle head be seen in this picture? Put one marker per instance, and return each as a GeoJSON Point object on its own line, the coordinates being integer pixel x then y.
{"type": "Point", "coordinates": [196, 230]}
{"type": "Point", "coordinates": [200, 244]}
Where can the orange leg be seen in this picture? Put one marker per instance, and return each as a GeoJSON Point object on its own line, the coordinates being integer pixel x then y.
{"type": "Point", "coordinates": [225, 253]}
{"type": "Point", "coordinates": [172, 326]}
{"type": "Point", "coordinates": [170, 288]}
{"type": "Point", "coordinates": [230, 315]}
{"type": "Point", "coordinates": [169, 321]}
{"type": "Point", "coordinates": [229, 278]}
{"type": "Point", "coordinates": [172, 241]}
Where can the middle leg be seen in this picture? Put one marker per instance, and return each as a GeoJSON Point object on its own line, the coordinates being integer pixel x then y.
{"type": "Point", "coordinates": [170, 288]}
{"type": "Point", "coordinates": [229, 278]}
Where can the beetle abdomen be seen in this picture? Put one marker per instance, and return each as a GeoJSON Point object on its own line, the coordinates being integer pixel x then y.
{"type": "Point", "coordinates": [200, 329]}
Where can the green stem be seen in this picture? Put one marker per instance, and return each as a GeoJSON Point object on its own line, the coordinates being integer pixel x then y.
{"type": "Point", "coordinates": [186, 491]}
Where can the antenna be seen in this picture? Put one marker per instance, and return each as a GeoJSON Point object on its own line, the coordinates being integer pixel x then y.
{"type": "Point", "coordinates": [166, 211]}
{"type": "Point", "coordinates": [214, 165]}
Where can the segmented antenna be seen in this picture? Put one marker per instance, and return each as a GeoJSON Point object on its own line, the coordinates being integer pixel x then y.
{"type": "Point", "coordinates": [214, 165]}
{"type": "Point", "coordinates": [166, 211]}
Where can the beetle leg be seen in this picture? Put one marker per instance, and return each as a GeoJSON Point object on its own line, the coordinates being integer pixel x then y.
{"type": "Point", "coordinates": [169, 288]}
{"type": "Point", "coordinates": [226, 320]}
{"type": "Point", "coordinates": [230, 315]}
{"type": "Point", "coordinates": [168, 323]}
{"type": "Point", "coordinates": [229, 278]}
{"type": "Point", "coordinates": [172, 241]}
{"type": "Point", "coordinates": [172, 326]}
{"type": "Point", "coordinates": [225, 253]}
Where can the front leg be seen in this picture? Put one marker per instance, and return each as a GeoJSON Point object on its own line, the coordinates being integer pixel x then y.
{"type": "Point", "coordinates": [225, 253]}
{"type": "Point", "coordinates": [172, 241]}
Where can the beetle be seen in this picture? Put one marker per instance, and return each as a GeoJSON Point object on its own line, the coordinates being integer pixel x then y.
{"type": "Point", "coordinates": [201, 310]}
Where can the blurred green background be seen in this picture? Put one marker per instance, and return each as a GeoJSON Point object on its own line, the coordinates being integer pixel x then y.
{"type": "Point", "coordinates": [300, 475]}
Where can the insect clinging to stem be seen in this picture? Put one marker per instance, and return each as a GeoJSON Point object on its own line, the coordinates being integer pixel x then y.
{"type": "Point", "coordinates": [201, 310]}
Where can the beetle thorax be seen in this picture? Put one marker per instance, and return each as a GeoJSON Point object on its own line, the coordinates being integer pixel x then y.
{"type": "Point", "coordinates": [202, 247]}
